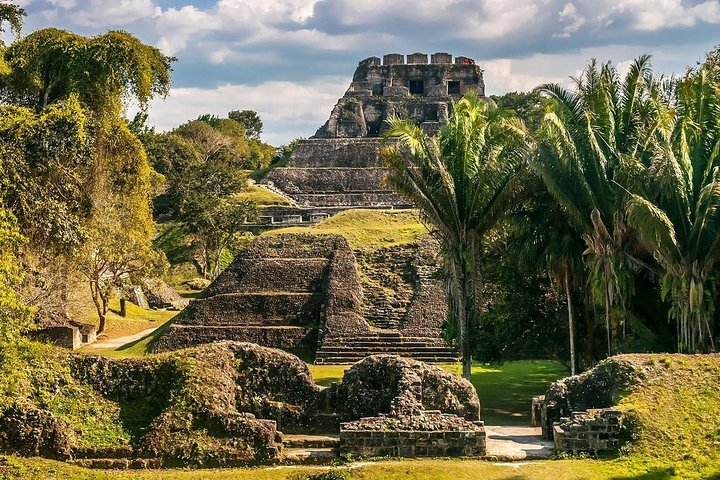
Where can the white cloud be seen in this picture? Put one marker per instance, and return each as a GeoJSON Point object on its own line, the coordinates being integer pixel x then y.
{"type": "Point", "coordinates": [571, 19]}
{"type": "Point", "coordinates": [176, 27]}
{"type": "Point", "coordinates": [100, 13]}
{"type": "Point", "coordinates": [502, 75]}
{"type": "Point", "coordinates": [288, 109]}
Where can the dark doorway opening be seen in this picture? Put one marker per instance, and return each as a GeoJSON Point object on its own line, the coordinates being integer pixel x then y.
{"type": "Point", "coordinates": [453, 87]}
{"type": "Point", "coordinates": [417, 87]}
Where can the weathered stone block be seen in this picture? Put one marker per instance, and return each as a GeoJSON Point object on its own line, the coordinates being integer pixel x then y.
{"type": "Point", "coordinates": [393, 59]}
{"type": "Point", "coordinates": [417, 58]}
{"type": "Point", "coordinates": [441, 58]}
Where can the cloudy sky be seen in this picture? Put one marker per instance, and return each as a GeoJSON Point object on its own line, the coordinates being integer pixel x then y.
{"type": "Point", "coordinates": [292, 59]}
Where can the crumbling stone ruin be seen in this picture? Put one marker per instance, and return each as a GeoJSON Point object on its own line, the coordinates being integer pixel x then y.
{"type": "Point", "coordinates": [579, 414]}
{"type": "Point", "coordinates": [308, 294]}
{"type": "Point", "coordinates": [339, 167]}
{"type": "Point", "coordinates": [230, 403]}
{"type": "Point", "coordinates": [423, 410]}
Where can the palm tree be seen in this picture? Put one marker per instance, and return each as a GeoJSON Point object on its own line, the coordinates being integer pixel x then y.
{"type": "Point", "coordinates": [675, 207]}
{"type": "Point", "coordinates": [584, 143]}
{"type": "Point", "coordinates": [546, 243]}
{"type": "Point", "coordinates": [461, 181]}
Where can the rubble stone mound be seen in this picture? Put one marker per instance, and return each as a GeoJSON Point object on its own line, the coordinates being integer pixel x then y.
{"type": "Point", "coordinates": [388, 384]}
{"type": "Point", "coordinates": [34, 432]}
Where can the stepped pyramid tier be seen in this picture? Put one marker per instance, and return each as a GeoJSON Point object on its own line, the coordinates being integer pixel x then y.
{"type": "Point", "coordinates": [340, 167]}
{"type": "Point", "coordinates": [308, 293]}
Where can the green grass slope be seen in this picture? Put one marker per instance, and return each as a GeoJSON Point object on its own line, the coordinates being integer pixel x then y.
{"type": "Point", "coordinates": [367, 229]}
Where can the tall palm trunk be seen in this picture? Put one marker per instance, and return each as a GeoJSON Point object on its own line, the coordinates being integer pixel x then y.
{"type": "Point", "coordinates": [459, 291]}
{"type": "Point", "coordinates": [571, 323]}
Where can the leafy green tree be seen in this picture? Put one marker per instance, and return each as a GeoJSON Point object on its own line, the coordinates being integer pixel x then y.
{"type": "Point", "coordinates": [49, 65]}
{"type": "Point", "coordinates": [70, 156]}
{"type": "Point", "coordinates": [461, 181]}
{"type": "Point", "coordinates": [674, 206]}
{"type": "Point", "coordinates": [113, 253]}
{"type": "Point", "coordinates": [218, 141]}
{"type": "Point", "coordinates": [546, 244]}
{"type": "Point", "coordinates": [528, 106]}
{"type": "Point", "coordinates": [250, 120]}
{"type": "Point", "coordinates": [203, 198]}
{"type": "Point", "coordinates": [169, 152]}
{"type": "Point", "coordinates": [46, 171]}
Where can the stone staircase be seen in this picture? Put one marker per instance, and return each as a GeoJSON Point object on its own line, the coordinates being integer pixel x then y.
{"type": "Point", "coordinates": [310, 449]}
{"type": "Point", "coordinates": [351, 349]}
{"type": "Point", "coordinates": [270, 187]}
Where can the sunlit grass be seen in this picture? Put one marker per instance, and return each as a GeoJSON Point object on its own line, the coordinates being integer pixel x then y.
{"type": "Point", "coordinates": [367, 229]}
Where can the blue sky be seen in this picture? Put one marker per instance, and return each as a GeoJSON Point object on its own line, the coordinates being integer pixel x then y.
{"type": "Point", "coordinates": [292, 59]}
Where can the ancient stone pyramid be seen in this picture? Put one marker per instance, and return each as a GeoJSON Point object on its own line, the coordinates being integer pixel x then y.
{"type": "Point", "coordinates": [305, 292]}
{"type": "Point", "coordinates": [339, 167]}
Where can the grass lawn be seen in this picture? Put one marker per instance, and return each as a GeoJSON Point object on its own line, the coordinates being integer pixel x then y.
{"type": "Point", "coordinates": [260, 196]}
{"type": "Point", "coordinates": [505, 390]}
{"type": "Point", "coordinates": [137, 319]}
{"type": "Point", "coordinates": [431, 469]}
{"type": "Point", "coordinates": [367, 229]}
{"type": "Point", "coordinates": [137, 348]}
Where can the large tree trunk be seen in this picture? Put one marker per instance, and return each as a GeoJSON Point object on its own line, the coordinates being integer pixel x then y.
{"type": "Point", "coordinates": [571, 324]}
{"type": "Point", "coordinates": [100, 305]}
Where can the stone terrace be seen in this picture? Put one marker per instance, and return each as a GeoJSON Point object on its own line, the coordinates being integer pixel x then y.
{"type": "Point", "coordinates": [301, 292]}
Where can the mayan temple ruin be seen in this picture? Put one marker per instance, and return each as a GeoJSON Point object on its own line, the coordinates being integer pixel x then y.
{"type": "Point", "coordinates": [339, 167]}
{"type": "Point", "coordinates": [315, 294]}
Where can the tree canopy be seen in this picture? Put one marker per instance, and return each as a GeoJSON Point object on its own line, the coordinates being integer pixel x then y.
{"type": "Point", "coordinates": [50, 65]}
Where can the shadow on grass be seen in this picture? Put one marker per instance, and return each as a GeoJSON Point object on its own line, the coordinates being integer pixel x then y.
{"type": "Point", "coordinates": [149, 339]}
{"type": "Point", "coordinates": [654, 474]}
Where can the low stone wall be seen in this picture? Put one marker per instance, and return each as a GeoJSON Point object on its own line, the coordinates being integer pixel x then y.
{"type": "Point", "coordinates": [590, 431]}
{"type": "Point", "coordinates": [286, 337]}
{"type": "Point", "coordinates": [430, 434]}
{"type": "Point", "coordinates": [65, 336]}
{"type": "Point", "coordinates": [379, 198]}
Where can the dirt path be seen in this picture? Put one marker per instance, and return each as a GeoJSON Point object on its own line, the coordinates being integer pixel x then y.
{"type": "Point", "coordinates": [116, 343]}
{"type": "Point", "coordinates": [516, 443]}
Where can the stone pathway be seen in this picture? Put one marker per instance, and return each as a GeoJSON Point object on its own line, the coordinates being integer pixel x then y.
{"type": "Point", "coordinates": [116, 343]}
{"type": "Point", "coordinates": [510, 444]}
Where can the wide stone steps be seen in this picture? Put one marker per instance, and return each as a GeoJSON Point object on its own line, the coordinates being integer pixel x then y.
{"type": "Point", "coordinates": [253, 309]}
{"type": "Point", "coordinates": [349, 359]}
{"type": "Point", "coordinates": [353, 349]}
{"type": "Point", "coordinates": [310, 449]}
{"type": "Point", "coordinates": [310, 441]}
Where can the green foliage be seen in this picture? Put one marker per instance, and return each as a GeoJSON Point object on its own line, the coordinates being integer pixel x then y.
{"type": "Point", "coordinates": [528, 106]}
{"type": "Point", "coordinates": [521, 310]}
{"type": "Point", "coordinates": [584, 141]}
{"type": "Point", "coordinates": [13, 15]}
{"type": "Point", "coordinates": [205, 203]}
{"type": "Point", "coordinates": [46, 170]}
{"type": "Point", "coordinates": [15, 316]}
{"type": "Point", "coordinates": [676, 209]}
{"type": "Point", "coordinates": [50, 65]}
{"type": "Point", "coordinates": [250, 120]}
